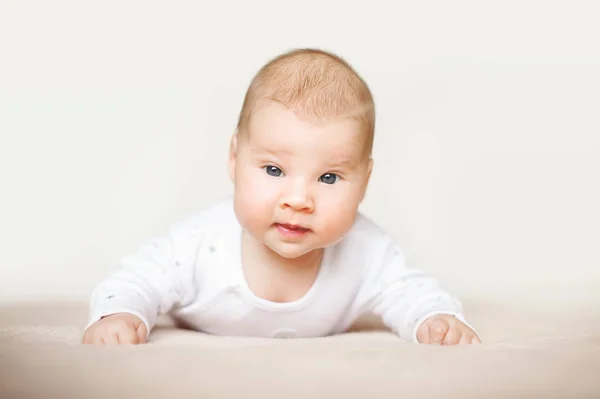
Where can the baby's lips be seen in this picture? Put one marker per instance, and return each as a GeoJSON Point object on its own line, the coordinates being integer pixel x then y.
{"type": "Point", "coordinates": [293, 227]}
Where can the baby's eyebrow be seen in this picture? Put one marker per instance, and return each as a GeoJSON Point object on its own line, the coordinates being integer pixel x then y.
{"type": "Point", "coordinates": [270, 151]}
{"type": "Point", "coordinates": [347, 163]}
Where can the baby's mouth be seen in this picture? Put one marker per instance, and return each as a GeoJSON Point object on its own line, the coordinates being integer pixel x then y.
{"type": "Point", "coordinates": [291, 230]}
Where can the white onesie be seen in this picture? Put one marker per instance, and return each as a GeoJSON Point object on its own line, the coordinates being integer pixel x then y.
{"type": "Point", "coordinates": [195, 274]}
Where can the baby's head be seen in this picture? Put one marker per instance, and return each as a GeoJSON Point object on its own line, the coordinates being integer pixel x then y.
{"type": "Point", "coordinates": [300, 159]}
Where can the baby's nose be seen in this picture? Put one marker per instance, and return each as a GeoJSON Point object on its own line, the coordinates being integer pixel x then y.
{"type": "Point", "coordinates": [298, 197]}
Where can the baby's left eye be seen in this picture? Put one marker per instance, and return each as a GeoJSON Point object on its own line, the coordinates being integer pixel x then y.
{"type": "Point", "coordinates": [273, 170]}
{"type": "Point", "coordinates": [329, 178]}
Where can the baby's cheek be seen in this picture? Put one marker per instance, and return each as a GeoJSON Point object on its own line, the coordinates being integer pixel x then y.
{"type": "Point", "coordinates": [337, 219]}
{"type": "Point", "coordinates": [263, 195]}
{"type": "Point", "coordinates": [253, 204]}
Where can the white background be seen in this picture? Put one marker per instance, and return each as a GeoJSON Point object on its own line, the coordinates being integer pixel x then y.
{"type": "Point", "coordinates": [115, 118]}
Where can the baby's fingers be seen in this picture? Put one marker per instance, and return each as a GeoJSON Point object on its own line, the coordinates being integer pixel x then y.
{"type": "Point", "coordinates": [110, 339]}
{"type": "Point", "coordinates": [141, 332]}
{"type": "Point", "coordinates": [128, 336]}
{"type": "Point", "coordinates": [437, 331]}
{"type": "Point", "coordinates": [469, 338]}
{"type": "Point", "coordinates": [87, 339]}
{"type": "Point", "coordinates": [92, 337]}
{"type": "Point", "coordinates": [423, 334]}
{"type": "Point", "coordinates": [465, 339]}
{"type": "Point", "coordinates": [452, 336]}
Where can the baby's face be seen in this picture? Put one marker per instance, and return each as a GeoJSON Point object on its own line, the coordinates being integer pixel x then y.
{"type": "Point", "coordinates": [298, 185]}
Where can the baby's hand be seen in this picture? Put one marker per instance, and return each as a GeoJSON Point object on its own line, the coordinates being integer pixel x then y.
{"type": "Point", "coordinates": [445, 330]}
{"type": "Point", "coordinates": [119, 328]}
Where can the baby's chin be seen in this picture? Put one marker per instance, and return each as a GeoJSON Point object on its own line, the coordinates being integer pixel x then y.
{"type": "Point", "coordinates": [292, 251]}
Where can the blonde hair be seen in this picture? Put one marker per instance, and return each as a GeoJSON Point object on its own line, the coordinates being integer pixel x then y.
{"type": "Point", "coordinates": [314, 84]}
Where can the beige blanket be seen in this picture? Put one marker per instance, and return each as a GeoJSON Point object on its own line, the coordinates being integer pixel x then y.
{"type": "Point", "coordinates": [540, 350]}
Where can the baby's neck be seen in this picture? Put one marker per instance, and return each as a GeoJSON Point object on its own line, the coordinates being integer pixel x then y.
{"type": "Point", "coordinates": [255, 251]}
{"type": "Point", "coordinates": [277, 278]}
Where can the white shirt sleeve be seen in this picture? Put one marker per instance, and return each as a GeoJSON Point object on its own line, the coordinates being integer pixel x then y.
{"type": "Point", "coordinates": [404, 297]}
{"type": "Point", "coordinates": [151, 281]}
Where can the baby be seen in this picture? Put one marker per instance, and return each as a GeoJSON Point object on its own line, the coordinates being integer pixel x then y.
{"type": "Point", "coordinates": [289, 255]}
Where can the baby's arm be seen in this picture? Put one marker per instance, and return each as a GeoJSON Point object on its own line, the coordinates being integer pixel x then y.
{"type": "Point", "coordinates": [149, 282]}
{"type": "Point", "coordinates": [412, 303]}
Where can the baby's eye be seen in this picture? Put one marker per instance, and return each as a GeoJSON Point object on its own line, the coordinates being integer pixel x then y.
{"type": "Point", "coordinates": [329, 178]}
{"type": "Point", "coordinates": [273, 171]}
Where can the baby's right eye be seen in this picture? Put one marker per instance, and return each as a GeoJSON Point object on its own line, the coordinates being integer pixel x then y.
{"type": "Point", "coordinates": [273, 171]}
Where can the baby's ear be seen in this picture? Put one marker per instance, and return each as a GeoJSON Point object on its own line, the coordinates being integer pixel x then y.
{"type": "Point", "coordinates": [369, 170]}
{"type": "Point", "coordinates": [232, 156]}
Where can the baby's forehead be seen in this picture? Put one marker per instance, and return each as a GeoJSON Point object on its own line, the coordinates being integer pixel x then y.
{"type": "Point", "coordinates": [278, 120]}
{"type": "Point", "coordinates": [279, 129]}
{"type": "Point", "coordinates": [349, 157]}
{"type": "Point", "coordinates": [341, 143]}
